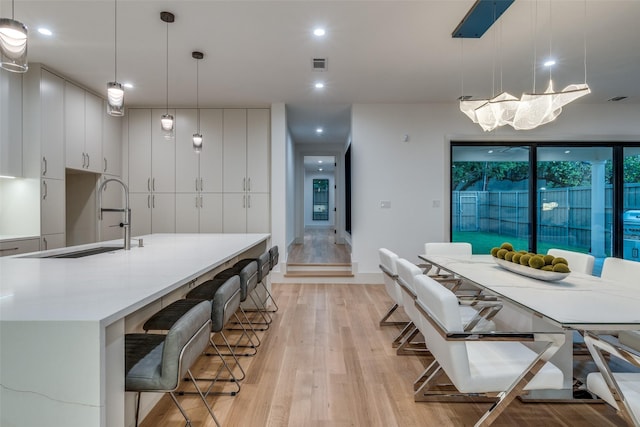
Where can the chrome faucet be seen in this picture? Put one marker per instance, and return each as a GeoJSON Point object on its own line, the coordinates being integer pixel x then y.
{"type": "Point", "coordinates": [126, 224]}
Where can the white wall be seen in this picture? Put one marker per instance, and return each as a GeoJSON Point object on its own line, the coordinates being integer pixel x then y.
{"type": "Point", "coordinates": [414, 175]}
{"type": "Point", "coordinates": [308, 199]}
{"type": "Point", "coordinates": [279, 186]}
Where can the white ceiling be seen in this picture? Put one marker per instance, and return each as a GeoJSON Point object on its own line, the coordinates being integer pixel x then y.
{"type": "Point", "coordinates": [259, 52]}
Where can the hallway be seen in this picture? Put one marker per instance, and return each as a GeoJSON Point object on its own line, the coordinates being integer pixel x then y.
{"type": "Point", "coordinates": [319, 247]}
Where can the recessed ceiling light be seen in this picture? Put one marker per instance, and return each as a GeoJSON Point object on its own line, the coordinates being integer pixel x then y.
{"type": "Point", "coordinates": [490, 151]}
{"type": "Point", "coordinates": [319, 32]}
{"type": "Point", "coordinates": [128, 85]}
{"type": "Point", "coordinates": [549, 63]}
{"type": "Point", "coordinates": [45, 31]}
{"type": "Point", "coordinates": [319, 130]}
{"type": "Point", "coordinates": [320, 169]}
{"type": "Point", "coordinates": [319, 85]}
{"type": "Point", "coordinates": [320, 161]}
{"type": "Point", "coordinates": [567, 151]}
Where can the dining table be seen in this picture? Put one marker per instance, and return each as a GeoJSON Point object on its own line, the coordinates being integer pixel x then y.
{"type": "Point", "coordinates": [577, 302]}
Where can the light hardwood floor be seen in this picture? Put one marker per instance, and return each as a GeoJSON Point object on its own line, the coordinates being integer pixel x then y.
{"type": "Point", "coordinates": [319, 247]}
{"type": "Point", "coordinates": [326, 362]}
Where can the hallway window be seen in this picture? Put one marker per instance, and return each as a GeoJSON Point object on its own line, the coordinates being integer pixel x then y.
{"type": "Point", "coordinates": [320, 199]}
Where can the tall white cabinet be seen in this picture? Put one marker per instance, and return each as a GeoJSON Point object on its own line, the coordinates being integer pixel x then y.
{"type": "Point", "coordinates": [10, 124]}
{"type": "Point", "coordinates": [246, 184]}
{"type": "Point", "coordinates": [199, 175]}
{"type": "Point", "coordinates": [82, 129]}
{"type": "Point", "coordinates": [43, 140]}
{"type": "Point", "coordinates": [151, 174]}
{"type": "Point", "coordinates": [224, 188]}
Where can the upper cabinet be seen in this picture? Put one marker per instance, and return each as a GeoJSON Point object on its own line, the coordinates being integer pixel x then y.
{"type": "Point", "coordinates": [111, 143]}
{"type": "Point", "coordinates": [50, 111]}
{"type": "Point", "coordinates": [10, 124]}
{"type": "Point", "coordinates": [83, 129]}
{"type": "Point", "coordinates": [246, 146]}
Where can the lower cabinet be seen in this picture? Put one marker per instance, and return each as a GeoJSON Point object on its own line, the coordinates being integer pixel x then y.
{"type": "Point", "coordinates": [199, 213]}
{"type": "Point", "coordinates": [52, 207]}
{"type": "Point", "coordinates": [52, 241]}
{"type": "Point", "coordinates": [246, 213]}
{"type": "Point", "coordinates": [19, 246]}
{"type": "Point", "coordinates": [152, 213]}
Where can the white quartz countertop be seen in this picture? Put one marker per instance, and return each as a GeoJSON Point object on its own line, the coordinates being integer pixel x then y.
{"type": "Point", "coordinates": [106, 287]}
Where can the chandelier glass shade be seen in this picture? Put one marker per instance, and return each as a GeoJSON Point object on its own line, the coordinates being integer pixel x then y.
{"type": "Point", "coordinates": [13, 46]}
{"type": "Point", "coordinates": [115, 99]}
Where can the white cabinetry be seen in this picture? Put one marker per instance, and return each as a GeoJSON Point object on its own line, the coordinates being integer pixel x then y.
{"type": "Point", "coordinates": [19, 246]}
{"type": "Point", "coordinates": [151, 174]}
{"type": "Point", "coordinates": [246, 171]}
{"type": "Point", "coordinates": [10, 124]}
{"type": "Point", "coordinates": [43, 140]}
{"type": "Point", "coordinates": [199, 175]}
{"type": "Point", "coordinates": [83, 129]}
{"type": "Point", "coordinates": [111, 144]}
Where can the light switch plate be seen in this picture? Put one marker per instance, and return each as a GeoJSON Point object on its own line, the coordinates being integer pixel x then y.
{"type": "Point", "coordinates": [385, 204]}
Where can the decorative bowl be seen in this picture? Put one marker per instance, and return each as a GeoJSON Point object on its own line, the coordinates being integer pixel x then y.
{"type": "Point", "coordinates": [549, 276]}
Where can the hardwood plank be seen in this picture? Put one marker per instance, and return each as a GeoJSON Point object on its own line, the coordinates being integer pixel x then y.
{"type": "Point", "coordinates": [326, 362]}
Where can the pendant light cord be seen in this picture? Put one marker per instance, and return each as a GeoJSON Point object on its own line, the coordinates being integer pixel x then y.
{"type": "Point", "coordinates": [550, 39]}
{"type": "Point", "coordinates": [585, 41]}
{"type": "Point", "coordinates": [13, 9]}
{"type": "Point", "coordinates": [115, 40]}
{"type": "Point", "coordinates": [535, 43]}
{"type": "Point", "coordinates": [167, 92]}
{"type": "Point", "coordinates": [198, 92]}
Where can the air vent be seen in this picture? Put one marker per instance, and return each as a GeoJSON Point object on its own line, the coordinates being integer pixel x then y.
{"type": "Point", "coordinates": [319, 64]}
{"type": "Point", "coordinates": [617, 98]}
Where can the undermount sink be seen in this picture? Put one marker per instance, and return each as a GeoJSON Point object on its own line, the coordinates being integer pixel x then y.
{"type": "Point", "coordinates": [80, 254]}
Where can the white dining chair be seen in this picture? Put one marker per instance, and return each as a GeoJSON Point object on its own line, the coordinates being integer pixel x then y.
{"type": "Point", "coordinates": [458, 250]}
{"type": "Point", "coordinates": [390, 273]}
{"type": "Point", "coordinates": [578, 261]}
{"type": "Point", "coordinates": [406, 342]}
{"type": "Point", "coordinates": [496, 366]}
{"type": "Point", "coordinates": [621, 390]}
{"type": "Point", "coordinates": [620, 270]}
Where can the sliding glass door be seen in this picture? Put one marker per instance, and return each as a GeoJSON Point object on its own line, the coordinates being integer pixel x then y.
{"type": "Point", "coordinates": [574, 202]}
{"type": "Point", "coordinates": [490, 196]}
{"type": "Point", "coordinates": [631, 203]}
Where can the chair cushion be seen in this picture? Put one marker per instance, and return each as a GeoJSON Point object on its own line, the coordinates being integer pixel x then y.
{"type": "Point", "coordinates": [206, 290]}
{"type": "Point", "coordinates": [164, 319]}
{"type": "Point", "coordinates": [494, 366]}
{"type": "Point", "coordinates": [143, 359]}
{"type": "Point", "coordinates": [629, 384]}
{"type": "Point", "coordinates": [274, 256]}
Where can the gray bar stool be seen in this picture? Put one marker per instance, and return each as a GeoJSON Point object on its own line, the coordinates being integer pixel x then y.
{"type": "Point", "coordinates": [156, 363]}
{"type": "Point", "coordinates": [224, 296]}
{"type": "Point", "coordinates": [264, 267]}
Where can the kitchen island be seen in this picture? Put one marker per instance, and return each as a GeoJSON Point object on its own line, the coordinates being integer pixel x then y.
{"type": "Point", "coordinates": [63, 320]}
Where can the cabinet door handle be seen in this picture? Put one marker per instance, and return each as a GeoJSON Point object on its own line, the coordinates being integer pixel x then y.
{"type": "Point", "coordinates": [46, 190]}
{"type": "Point", "coordinates": [244, 184]}
{"type": "Point", "coordinates": [248, 184]}
{"type": "Point", "coordinates": [9, 249]}
{"type": "Point", "coordinates": [201, 185]}
{"type": "Point", "coordinates": [153, 184]}
{"type": "Point", "coordinates": [46, 244]}
{"type": "Point", "coordinates": [249, 201]}
{"type": "Point", "coordinates": [44, 163]}
{"type": "Point", "coordinates": [196, 184]}
{"type": "Point", "coordinates": [148, 184]}
{"type": "Point", "coordinates": [244, 202]}
{"type": "Point", "coordinates": [148, 202]}
{"type": "Point", "coordinates": [105, 164]}
{"type": "Point", "coordinates": [153, 201]}
{"type": "Point", "coordinates": [88, 160]}
{"type": "Point", "coordinates": [83, 160]}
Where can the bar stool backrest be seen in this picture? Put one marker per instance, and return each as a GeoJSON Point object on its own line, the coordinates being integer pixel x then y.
{"type": "Point", "coordinates": [226, 301]}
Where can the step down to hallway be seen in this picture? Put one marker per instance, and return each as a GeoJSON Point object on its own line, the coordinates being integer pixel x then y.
{"type": "Point", "coordinates": [319, 270]}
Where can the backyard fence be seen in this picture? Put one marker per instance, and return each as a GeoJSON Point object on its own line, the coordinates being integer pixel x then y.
{"type": "Point", "coordinates": [564, 214]}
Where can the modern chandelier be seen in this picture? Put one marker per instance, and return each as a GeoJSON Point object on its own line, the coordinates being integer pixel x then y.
{"type": "Point", "coordinates": [115, 91]}
{"type": "Point", "coordinates": [167, 121]}
{"type": "Point", "coordinates": [13, 44]}
{"type": "Point", "coordinates": [531, 109]}
{"type": "Point", "coordinates": [197, 137]}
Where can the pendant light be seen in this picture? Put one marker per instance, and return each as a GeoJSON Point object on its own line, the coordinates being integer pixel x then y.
{"type": "Point", "coordinates": [13, 44]}
{"type": "Point", "coordinates": [197, 137]}
{"type": "Point", "coordinates": [115, 92]}
{"type": "Point", "coordinates": [167, 123]}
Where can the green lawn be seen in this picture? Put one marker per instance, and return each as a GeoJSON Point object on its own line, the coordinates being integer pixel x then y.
{"type": "Point", "coordinates": [483, 242]}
